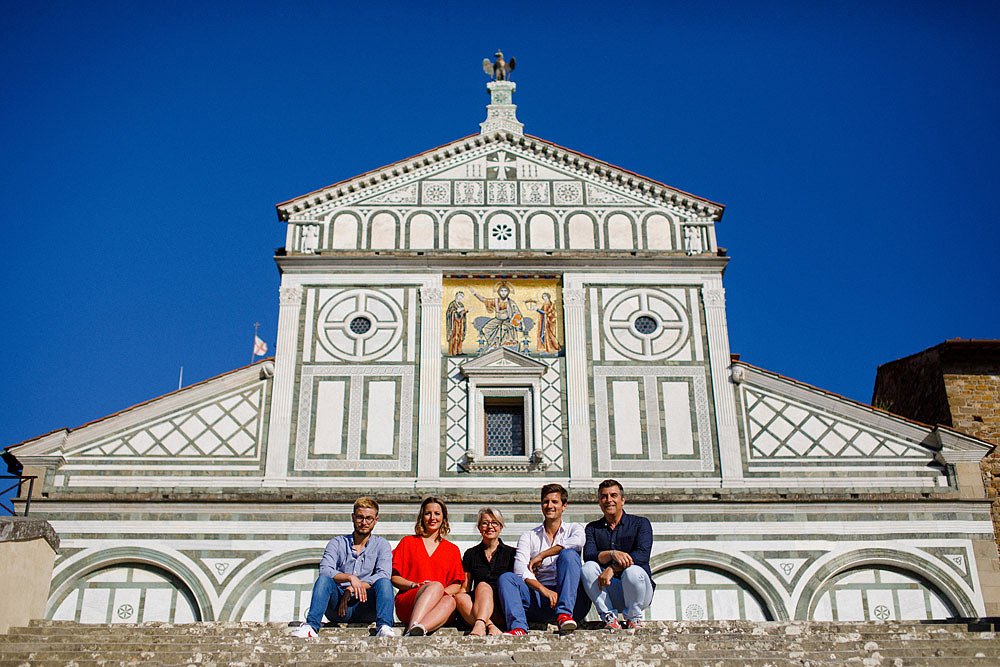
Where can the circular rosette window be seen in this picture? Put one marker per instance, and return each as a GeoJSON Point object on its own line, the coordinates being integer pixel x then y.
{"type": "Point", "coordinates": [360, 325]}
{"type": "Point", "coordinates": [645, 324]}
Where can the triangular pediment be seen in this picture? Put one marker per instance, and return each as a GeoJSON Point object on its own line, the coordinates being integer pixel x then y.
{"type": "Point", "coordinates": [503, 361]}
{"type": "Point", "coordinates": [498, 170]}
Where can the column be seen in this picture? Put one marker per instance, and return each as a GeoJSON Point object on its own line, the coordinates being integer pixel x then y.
{"type": "Point", "coordinates": [429, 408]}
{"type": "Point", "coordinates": [580, 444]}
{"type": "Point", "coordinates": [722, 387]}
{"type": "Point", "coordinates": [286, 349]}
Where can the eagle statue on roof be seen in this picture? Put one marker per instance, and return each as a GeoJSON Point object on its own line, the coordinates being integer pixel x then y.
{"type": "Point", "coordinates": [500, 69]}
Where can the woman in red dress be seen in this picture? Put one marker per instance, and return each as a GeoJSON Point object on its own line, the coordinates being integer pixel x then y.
{"type": "Point", "coordinates": [427, 570]}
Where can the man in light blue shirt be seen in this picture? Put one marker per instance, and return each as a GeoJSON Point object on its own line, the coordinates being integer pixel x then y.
{"type": "Point", "coordinates": [353, 583]}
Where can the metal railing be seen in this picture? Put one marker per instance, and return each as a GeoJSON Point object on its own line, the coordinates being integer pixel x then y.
{"type": "Point", "coordinates": [21, 479]}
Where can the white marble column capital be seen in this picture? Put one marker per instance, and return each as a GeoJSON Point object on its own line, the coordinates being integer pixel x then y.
{"type": "Point", "coordinates": [574, 298]}
{"type": "Point", "coordinates": [431, 296]}
{"type": "Point", "coordinates": [289, 295]}
{"type": "Point", "coordinates": [714, 297]}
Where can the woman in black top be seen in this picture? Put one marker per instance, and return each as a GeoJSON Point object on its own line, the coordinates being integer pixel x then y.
{"type": "Point", "coordinates": [478, 603]}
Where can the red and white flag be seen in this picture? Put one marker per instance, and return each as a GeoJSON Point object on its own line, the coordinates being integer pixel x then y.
{"type": "Point", "coordinates": [259, 347]}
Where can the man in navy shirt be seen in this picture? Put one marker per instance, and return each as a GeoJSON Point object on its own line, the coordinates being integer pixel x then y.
{"type": "Point", "coordinates": [616, 573]}
{"type": "Point", "coordinates": [353, 583]}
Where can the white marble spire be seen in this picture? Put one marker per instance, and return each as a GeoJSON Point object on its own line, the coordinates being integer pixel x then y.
{"type": "Point", "coordinates": [500, 113]}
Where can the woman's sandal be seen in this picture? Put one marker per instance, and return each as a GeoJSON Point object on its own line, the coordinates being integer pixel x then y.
{"type": "Point", "coordinates": [492, 630]}
{"type": "Point", "coordinates": [486, 627]}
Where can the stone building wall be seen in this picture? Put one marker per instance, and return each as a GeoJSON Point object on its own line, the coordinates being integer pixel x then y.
{"type": "Point", "coordinates": [955, 383]}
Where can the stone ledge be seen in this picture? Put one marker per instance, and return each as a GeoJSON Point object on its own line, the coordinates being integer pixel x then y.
{"type": "Point", "coordinates": [22, 529]}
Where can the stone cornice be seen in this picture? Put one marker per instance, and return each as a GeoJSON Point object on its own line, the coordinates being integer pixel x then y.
{"type": "Point", "coordinates": [416, 165]}
{"type": "Point", "coordinates": [548, 261]}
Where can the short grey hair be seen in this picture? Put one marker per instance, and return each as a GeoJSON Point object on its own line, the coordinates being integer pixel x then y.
{"type": "Point", "coordinates": [495, 513]}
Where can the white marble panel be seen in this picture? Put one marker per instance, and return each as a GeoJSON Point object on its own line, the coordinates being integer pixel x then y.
{"type": "Point", "coordinates": [345, 232]}
{"type": "Point", "coordinates": [95, 605]}
{"type": "Point", "coordinates": [824, 612]}
{"type": "Point", "coordinates": [383, 231]}
{"type": "Point", "coordinates": [282, 604]}
{"type": "Point", "coordinates": [330, 404]}
{"type": "Point", "coordinates": [421, 228]}
{"type": "Point", "coordinates": [581, 232]}
{"type": "Point", "coordinates": [255, 610]}
{"type": "Point", "coordinates": [125, 607]}
{"type": "Point", "coordinates": [881, 606]}
{"type": "Point", "coordinates": [694, 606]}
{"type": "Point", "coordinates": [157, 603]}
{"type": "Point", "coordinates": [620, 232]}
{"type": "Point", "coordinates": [677, 411]}
{"type": "Point", "coordinates": [380, 431]}
{"type": "Point", "coordinates": [461, 231]}
{"type": "Point", "coordinates": [726, 604]}
{"type": "Point", "coordinates": [67, 608]}
{"type": "Point", "coordinates": [658, 233]}
{"type": "Point", "coordinates": [849, 605]}
{"type": "Point", "coordinates": [627, 422]}
{"type": "Point", "coordinates": [542, 231]}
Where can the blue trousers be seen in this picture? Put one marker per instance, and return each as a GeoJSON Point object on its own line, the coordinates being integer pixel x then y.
{"type": "Point", "coordinates": [521, 603]}
{"type": "Point", "coordinates": [326, 596]}
{"type": "Point", "coordinates": [630, 594]}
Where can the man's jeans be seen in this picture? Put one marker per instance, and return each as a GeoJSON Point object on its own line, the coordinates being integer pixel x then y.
{"type": "Point", "coordinates": [521, 603]}
{"type": "Point", "coordinates": [631, 594]}
{"type": "Point", "coordinates": [326, 596]}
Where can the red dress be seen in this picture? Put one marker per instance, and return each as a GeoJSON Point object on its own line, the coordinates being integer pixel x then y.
{"type": "Point", "coordinates": [410, 561]}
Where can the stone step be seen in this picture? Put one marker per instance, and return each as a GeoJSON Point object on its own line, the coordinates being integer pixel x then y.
{"type": "Point", "coordinates": [777, 661]}
{"type": "Point", "coordinates": [685, 644]}
{"type": "Point", "coordinates": [458, 655]}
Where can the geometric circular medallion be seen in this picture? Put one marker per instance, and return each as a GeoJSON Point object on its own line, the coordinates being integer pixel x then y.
{"type": "Point", "coordinates": [645, 324]}
{"type": "Point", "coordinates": [359, 324]}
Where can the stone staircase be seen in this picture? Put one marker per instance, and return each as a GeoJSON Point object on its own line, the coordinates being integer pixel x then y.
{"type": "Point", "coordinates": [715, 644]}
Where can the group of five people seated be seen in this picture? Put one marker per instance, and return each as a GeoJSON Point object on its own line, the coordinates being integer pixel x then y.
{"type": "Point", "coordinates": [557, 570]}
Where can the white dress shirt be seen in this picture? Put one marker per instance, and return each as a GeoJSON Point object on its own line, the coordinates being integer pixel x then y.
{"type": "Point", "coordinates": [535, 541]}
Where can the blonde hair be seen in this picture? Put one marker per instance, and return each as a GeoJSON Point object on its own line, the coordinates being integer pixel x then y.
{"type": "Point", "coordinates": [445, 528]}
{"type": "Point", "coordinates": [495, 513]}
{"type": "Point", "coordinates": [364, 502]}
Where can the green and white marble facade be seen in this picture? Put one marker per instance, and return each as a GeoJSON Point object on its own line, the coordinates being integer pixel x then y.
{"type": "Point", "coordinates": [770, 499]}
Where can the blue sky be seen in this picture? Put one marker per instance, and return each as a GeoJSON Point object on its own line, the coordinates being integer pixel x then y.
{"type": "Point", "coordinates": [145, 145]}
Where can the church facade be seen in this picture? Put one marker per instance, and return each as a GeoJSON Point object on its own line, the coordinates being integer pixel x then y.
{"type": "Point", "coordinates": [473, 322]}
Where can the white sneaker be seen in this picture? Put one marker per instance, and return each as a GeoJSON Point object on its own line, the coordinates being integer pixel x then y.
{"type": "Point", "coordinates": [304, 631]}
{"type": "Point", "coordinates": [385, 631]}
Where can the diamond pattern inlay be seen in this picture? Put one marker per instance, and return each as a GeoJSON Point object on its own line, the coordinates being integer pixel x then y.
{"type": "Point", "coordinates": [781, 429]}
{"type": "Point", "coordinates": [224, 428]}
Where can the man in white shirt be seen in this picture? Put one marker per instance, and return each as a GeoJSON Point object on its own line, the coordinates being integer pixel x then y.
{"type": "Point", "coordinates": [546, 576]}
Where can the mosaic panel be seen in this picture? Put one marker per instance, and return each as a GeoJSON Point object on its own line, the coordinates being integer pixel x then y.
{"type": "Point", "coordinates": [782, 429]}
{"type": "Point", "coordinates": [484, 314]}
{"type": "Point", "coordinates": [876, 594]}
{"type": "Point", "coordinates": [226, 427]}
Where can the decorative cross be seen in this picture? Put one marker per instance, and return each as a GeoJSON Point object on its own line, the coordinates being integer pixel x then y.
{"type": "Point", "coordinates": [502, 164]}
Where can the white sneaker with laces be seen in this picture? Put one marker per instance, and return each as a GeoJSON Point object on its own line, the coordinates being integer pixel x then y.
{"type": "Point", "coordinates": [304, 631]}
{"type": "Point", "coordinates": [385, 631]}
